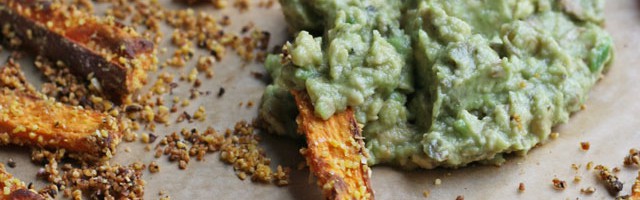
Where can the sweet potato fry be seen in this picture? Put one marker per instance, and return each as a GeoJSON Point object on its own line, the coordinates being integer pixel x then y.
{"type": "Point", "coordinates": [635, 190]}
{"type": "Point", "coordinates": [29, 120]}
{"type": "Point", "coordinates": [117, 57]}
{"type": "Point", "coordinates": [335, 152]}
{"type": "Point", "coordinates": [14, 189]}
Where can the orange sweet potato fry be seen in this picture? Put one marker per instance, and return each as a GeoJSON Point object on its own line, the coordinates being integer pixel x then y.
{"type": "Point", "coordinates": [93, 48]}
{"type": "Point", "coordinates": [635, 190]}
{"type": "Point", "coordinates": [335, 152]}
{"type": "Point", "coordinates": [14, 189]}
{"type": "Point", "coordinates": [29, 120]}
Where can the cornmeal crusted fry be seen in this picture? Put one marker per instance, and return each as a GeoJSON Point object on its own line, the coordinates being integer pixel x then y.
{"type": "Point", "coordinates": [14, 189]}
{"type": "Point", "coordinates": [335, 152]}
{"type": "Point", "coordinates": [29, 120]}
{"type": "Point", "coordinates": [635, 190]}
{"type": "Point", "coordinates": [112, 57]}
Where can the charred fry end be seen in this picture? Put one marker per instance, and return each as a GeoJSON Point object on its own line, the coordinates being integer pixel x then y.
{"type": "Point", "coordinates": [93, 48]}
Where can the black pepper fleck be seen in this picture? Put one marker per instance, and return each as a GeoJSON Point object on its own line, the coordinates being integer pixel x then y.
{"type": "Point", "coordinates": [221, 92]}
{"type": "Point", "coordinates": [152, 137]}
{"type": "Point", "coordinates": [11, 163]}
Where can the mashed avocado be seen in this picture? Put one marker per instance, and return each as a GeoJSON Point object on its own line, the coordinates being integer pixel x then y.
{"type": "Point", "coordinates": [440, 82]}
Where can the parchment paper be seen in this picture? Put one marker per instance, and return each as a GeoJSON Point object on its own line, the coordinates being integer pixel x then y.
{"type": "Point", "coordinates": [609, 123]}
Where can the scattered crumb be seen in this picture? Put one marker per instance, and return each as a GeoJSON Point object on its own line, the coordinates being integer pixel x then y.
{"type": "Point", "coordinates": [115, 181]}
{"type": "Point", "coordinates": [460, 197]}
{"type": "Point", "coordinates": [633, 158]}
{"type": "Point", "coordinates": [611, 182]}
{"type": "Point", "coordinates": [589, 190]}
{"type": "Point", "coordinates": [559, 184]}
{"type": "Point", "coordinates": [589, 165]}
{"type": "Point", "coordinates": [585, 146]}
{"type": "Point", "coordinates": [200, 114]}
{"type": "Point", "coordinates": [437, 181]}
{"type": "Point", "coordinates": [11, 163]}
{"type": "Point", "coordinates": [182, 164]}
{"type": "Point", "coordinates": [575, 166]}
{"type": "Point", "coordinates": [153, 167]}
{"type": "Point", "coordinates": [426, 193]}
{"type": "Point", "coordinates": [521, 187]}
{"type": "Point", "coordinates": [238, 147]}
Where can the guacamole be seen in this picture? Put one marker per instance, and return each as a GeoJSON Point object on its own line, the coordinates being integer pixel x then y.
{"type": "Point", "coordinates": [440, 82]}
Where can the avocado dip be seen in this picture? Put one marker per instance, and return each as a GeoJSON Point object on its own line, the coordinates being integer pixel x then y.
{"type": "Point", "coordinates": [440, 82]}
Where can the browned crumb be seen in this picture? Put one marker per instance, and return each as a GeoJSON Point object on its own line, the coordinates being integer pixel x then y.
{"type": "Point", "coordinates": [460, 197]}
{"type": "Point", "coordinates": [11, 163]}
{"type": "Point", "coordinates": [577, 178]}
{"type": "Point", "coordinates": [611, 182]}
{"type": "Point", "coordinates": [205, 64]}
{"type": "Point", "coordinates": [426, 193]}
{"type": "Point", "coordinates": [589, 190]}
{"type": "Point", "coordinates": [554, 135]}
{"type": "Point", "coordinates": [559, 184]}
{"type": "Point", "coordinates": [521, 187]}
{"type": "Point", "coordinates": [182, 164]}
{"type": "Point", "coordinates": [633, 158]}
{"type": "Point", "coordinates": [589, 165]}
{"type": "Point", "coordinates": [257, 75]}
{"type": "Point", "coordinates": [575, 166]}
{"type": "Point", "coordinates": [281, 176]}
{"type": "Point", "coordinates": [585, 146]}
{"type": "Point", "coordinates": [200, 114]}
{"type": "Point", "coordinates": [241, 5]}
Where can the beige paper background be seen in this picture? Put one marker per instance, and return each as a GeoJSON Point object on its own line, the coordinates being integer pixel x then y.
{"type": "Point", "coordinates": [610, 123]}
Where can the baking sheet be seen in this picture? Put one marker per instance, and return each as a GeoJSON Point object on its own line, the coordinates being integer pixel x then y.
{"type": "Point", "coordinates": [609, 123]}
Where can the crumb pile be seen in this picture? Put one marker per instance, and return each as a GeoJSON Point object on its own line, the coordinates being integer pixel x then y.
{"type": "Point", "coordinates": [237, 147]}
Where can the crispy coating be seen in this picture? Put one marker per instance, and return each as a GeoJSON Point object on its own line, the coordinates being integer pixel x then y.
{"type": "Point", "coordinates": [13, 189]}
{"type": "Point", "coordinates": [93, 48]}
{"type": "Point", "coordinates": [29, 120]}
{"type": "Point", "coordinates": [335, 152]}
{"type": "Point", "coordinates": [635, 190]}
